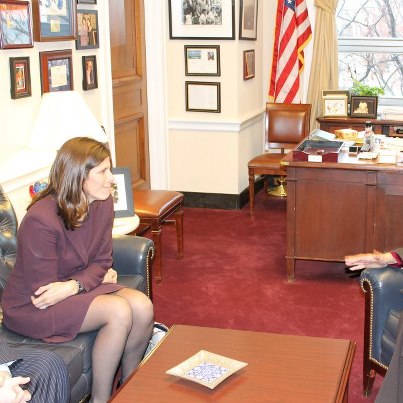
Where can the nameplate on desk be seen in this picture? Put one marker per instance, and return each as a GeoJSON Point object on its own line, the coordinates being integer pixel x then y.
{"type": "Point", "coordinates": [314, 158]}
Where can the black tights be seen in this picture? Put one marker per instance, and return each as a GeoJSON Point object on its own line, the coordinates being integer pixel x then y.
{"type": "Point", "coordinates": [124, 321]}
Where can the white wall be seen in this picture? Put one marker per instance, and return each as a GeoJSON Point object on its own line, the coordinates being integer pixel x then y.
{"type": "Point", "coordinates": [208, 152]}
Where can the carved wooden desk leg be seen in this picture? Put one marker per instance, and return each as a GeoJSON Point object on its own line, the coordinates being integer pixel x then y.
{"type": "Point", "coordinates": [290, 269]}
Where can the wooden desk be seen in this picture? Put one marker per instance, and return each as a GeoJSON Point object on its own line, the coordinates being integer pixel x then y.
{"type": "Point", "coordinates": [281, 368]}
{"type": "Point", "coordinates": [337, 209]}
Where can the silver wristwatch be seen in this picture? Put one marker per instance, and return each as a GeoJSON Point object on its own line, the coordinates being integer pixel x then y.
{"type": "Point", "coordinates": [80, 287]}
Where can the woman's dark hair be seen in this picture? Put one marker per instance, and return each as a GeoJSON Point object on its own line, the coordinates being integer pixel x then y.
{"type": "Point", "coordinates": [70, 169]}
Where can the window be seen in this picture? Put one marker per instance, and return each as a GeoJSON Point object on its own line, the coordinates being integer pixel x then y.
{"type": "Point", "coordinates": [370, 38]}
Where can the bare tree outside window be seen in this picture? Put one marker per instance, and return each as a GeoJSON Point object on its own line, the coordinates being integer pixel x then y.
{"type": "Point", "coordinates": [371, 44]}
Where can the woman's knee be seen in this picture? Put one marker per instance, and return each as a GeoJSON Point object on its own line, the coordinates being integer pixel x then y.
{"type": "Point", "coordinates": [108, 310]}
{"type": "Point", "coordinates": [140, 304]}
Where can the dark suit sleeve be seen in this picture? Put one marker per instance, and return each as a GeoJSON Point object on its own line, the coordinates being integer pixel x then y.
{"type": "Point", "coordinates": [7, 353]}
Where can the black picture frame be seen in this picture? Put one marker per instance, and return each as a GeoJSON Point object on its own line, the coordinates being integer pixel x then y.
{"type": "Point", "coordinates": [87, 29]}
{"type": "Point", "coordinates": [54, 22]}
{"type": "Point", "coordinates": [15, 25]}
{"type": "Point", "coordinates": [248, 10]}
{"type": "Point", "coordinates": [202, 60]}
{"type": "Point", "coordinates": [86, 1]}
{"type": "Point", "coordinates": [90, 75]}
{"type": "Point", "coordinates": [122, 193]}
{"type": "Point", "coordinates": [185, 22]}
{"type": "Point", "coordinates": [203, 96]}
{"type": "Point", "coordinates": [363, 106]}
{"type": "Point", "coordinates": [20, 77]}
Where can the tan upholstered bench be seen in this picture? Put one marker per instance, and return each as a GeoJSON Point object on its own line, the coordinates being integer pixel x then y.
{"type": "Point", "coordinates": [157, 207]}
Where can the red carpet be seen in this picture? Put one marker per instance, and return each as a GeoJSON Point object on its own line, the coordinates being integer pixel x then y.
{"type": "Point", "coordinates": [233, 275]}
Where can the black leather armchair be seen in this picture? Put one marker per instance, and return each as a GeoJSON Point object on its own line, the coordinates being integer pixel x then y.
{"type": "Point", "coordinates": [383, 305]}
{"type": "Point", "coordinates": [131, 256]}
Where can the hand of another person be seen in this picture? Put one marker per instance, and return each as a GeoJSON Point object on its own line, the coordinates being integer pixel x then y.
{"type": "Point", "coordinates": [369, 260]}
{"type": "Point", "coordinates": [111, 276]}
{"type": "Point", "coordinates": [10, 389]}
{"type": "Point", "coordinates": [53, 293]}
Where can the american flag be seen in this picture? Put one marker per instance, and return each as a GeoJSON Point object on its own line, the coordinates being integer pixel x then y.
{"type": "Point", "coordinates": [292, 34]}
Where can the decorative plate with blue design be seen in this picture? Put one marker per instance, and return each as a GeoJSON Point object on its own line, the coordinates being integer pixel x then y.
{"type": "Point", "coordinates": [207, 369]}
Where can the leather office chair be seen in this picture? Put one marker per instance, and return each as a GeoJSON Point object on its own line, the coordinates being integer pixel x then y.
{"type": "Point", "coordinates": [383, 306]}
{"type": "Point", "coordinates": [286, 125]}
{"type": "Point", "coordinates": [131, 259]}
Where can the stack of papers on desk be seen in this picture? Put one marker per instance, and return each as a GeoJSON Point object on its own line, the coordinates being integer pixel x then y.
{"type": "Point", "coordinates": [367, 155]}
{"type": "Point", "coordinates": [387, 157]}
{"type": "Point", "coordinates": [393, 143]}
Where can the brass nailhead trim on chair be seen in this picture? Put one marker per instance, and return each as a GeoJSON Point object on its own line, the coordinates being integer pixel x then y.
{"type": "Point", "coordinates": [371, 322]}
{"type": "Point", "coordinates": [150, 256]}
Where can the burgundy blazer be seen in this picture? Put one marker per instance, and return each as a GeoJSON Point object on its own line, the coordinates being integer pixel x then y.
{"type": "Point", "coordinates": [48, 252]}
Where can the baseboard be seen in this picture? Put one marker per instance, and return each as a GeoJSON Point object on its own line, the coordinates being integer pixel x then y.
{"type": "Point", "coordinates": [220, 200]}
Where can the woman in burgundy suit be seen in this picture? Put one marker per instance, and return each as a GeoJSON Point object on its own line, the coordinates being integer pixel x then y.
{"type": "Point", "coordinates": [63, 283]}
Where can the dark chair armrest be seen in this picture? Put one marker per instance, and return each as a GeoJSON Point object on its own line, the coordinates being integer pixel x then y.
{"type": "Point", "coordinates": [383, 293]}
{"type": "Point", "coordinates": [386, 284]}
{"type": "Point", "coordinates": [132, 255]}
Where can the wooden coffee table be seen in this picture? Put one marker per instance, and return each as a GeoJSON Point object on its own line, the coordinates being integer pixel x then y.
{"type": "Point", "coordinates": [281, 368]}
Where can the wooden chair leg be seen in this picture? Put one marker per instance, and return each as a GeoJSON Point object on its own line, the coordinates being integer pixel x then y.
{"type": "Point", "coordinates": [266, 185]}
{"type": "Point", "coordinates": [179, 231]}
{"type": "Point", "coordinates": [369, 378]}
{"type": "Point", "coordinates": [157, 269]}
{"type": "Point", "coordinates": [251, 191]}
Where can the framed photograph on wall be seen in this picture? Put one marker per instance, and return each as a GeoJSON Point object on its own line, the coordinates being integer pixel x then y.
{"type": "Point", "coordinates": [201, 19]}
{"type": "Point", "coordinates": [56, 70]}
{"type": "Point", "coordinates": [202, 60]}
{"type": "Point", "coordinates": [90, 76]}
{"type": "Point", "coordinates": [87, 26]}
{"type": "Point", "coordinates": [54, 20]}
{"type": "Point", "coordinates": [15, 25]}
{"type": "Point", "coordinates": [248, 19]}
{"type": "Point", "coordinates": [203, 96]}
{"type": "Point", "coordinates": [122, 193]}
{"type": "Point", "coordinates": [363, 107]}
{"type": "Point", "coordinates": [334, 105]}
{"type": "Point", "coordinates": [248, 64]}
{"type": "Point", "coordinates": [20, 77]}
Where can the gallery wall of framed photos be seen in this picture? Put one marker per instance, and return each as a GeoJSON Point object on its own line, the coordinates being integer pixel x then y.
{"type": "Point", "coordinates": [218, 21]}
{"type": "Point", "coordinates": [44, 48]}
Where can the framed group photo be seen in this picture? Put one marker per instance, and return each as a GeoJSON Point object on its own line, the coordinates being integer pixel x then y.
{"type": "Point", "coordinates": [203, 96]}
{"type": "Point", "coordinates": [87, 25]}
{"type": "Point", "coordinates": [248, 64]}
{"type": "Point", "coordinates": [363, 107]}
{"type": "Point", "coordinates": [202, 60]}
{"type": "Point", "coordinates": [54, 20]}
{"type": "Point", "coordinates": [248, 19]}
{"type": "Point", "coordinates": [202, 19]}
{"type": "Point", "coordinates": [122, 193]}
{"type": "Point", "coordinates": [90, 77]}
{"type": "Point", "coordinates": [56, 70]}
{"type": "Point", "coordinates": [15, 25]}
{"type": "Point", "coordinates": [20, 77]}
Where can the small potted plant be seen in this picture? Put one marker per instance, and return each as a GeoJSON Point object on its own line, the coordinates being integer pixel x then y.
{"type": "Point", "coordinates": [364, 100]}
